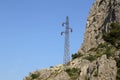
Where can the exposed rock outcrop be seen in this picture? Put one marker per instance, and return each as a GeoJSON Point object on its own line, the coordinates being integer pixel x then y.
{"type": "Point", "coordinates": [102, 14]}
{"type": "Point", "coordinates": [100, 69]}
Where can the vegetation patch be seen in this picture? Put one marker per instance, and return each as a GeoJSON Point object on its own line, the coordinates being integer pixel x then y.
{"type": "Point", "coordinates": [96, 37]}
{"type": "Point", "coordinates": [93, 49]}
{"type": "Point", "coordinates": [76, 55]}
{"type": "Point", "coordinates": [96, 74]}
{"type": "Point", "coordinates": [118, 74]}
{"type": "Point", "coordinates": [51, 66]}
{"type": "Point", "coordinates": [118, 67]}
{"type": "Point", "coordinates": [90, 58]}
{"type": "Point", "coordinates": [113, 36]}
{"type": "Point", "coordinates": [73, 73]}
{"type": "Point", "coordinates": [102, 49]}
{"type": "Point", "coordinates": [34, 76]}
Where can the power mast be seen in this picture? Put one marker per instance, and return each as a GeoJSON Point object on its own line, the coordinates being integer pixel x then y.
{"type": "Point", "coordinates": [66, 58]}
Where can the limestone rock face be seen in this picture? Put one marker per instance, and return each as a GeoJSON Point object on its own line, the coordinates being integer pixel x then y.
{"type": "Point", "coordinates": [53, 73]}
{"type": "Point", "coordinates": [100, 69]}
{"type": "Point", "coordinates": [102, 13]}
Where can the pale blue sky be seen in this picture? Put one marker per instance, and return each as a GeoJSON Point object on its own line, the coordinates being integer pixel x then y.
{"type": "Point", "coordinates": [30, 34]}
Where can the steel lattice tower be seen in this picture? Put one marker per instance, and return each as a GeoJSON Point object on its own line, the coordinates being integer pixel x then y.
{"type": "Point", "coordinates": [66, 58]}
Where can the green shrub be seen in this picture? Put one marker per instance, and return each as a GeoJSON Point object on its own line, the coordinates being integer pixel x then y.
{"type": "Point", "coordinates": [51, 66]}
{"type": "Point", "coordinates": [34, 75]}
{"type": "Point", "coordinates": [90, 58]}
{"type": "Point", "coordinates": [118, 74]}
{"type": "Point", "coordinates": [103, 48]}
{"type": "Point", "coordinates": [118, 63]}
{"type": "Point", "coordinates": [73, 73]}
{"type": "Point", "coordinates": [103, 45]}
{"type": "Point", "coordinates": [113, 36]}
{"type": "Point", "coordinates": [76, 55]}
{"type": "Point", "coordinates": [118, 68]}
{"type": "Point", "coordinates": [99, 51]}
{"type": "Point", "coordinates": [108, 52]}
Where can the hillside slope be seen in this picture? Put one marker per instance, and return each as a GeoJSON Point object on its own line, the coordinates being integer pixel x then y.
{"type": "Point", "coordinates": [99, 56]}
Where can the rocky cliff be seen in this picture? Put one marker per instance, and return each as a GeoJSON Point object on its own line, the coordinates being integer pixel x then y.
{"type": "Point", "coordinates": [99, 56]}
{"type": "Point", "coordinates": [102, 14]}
